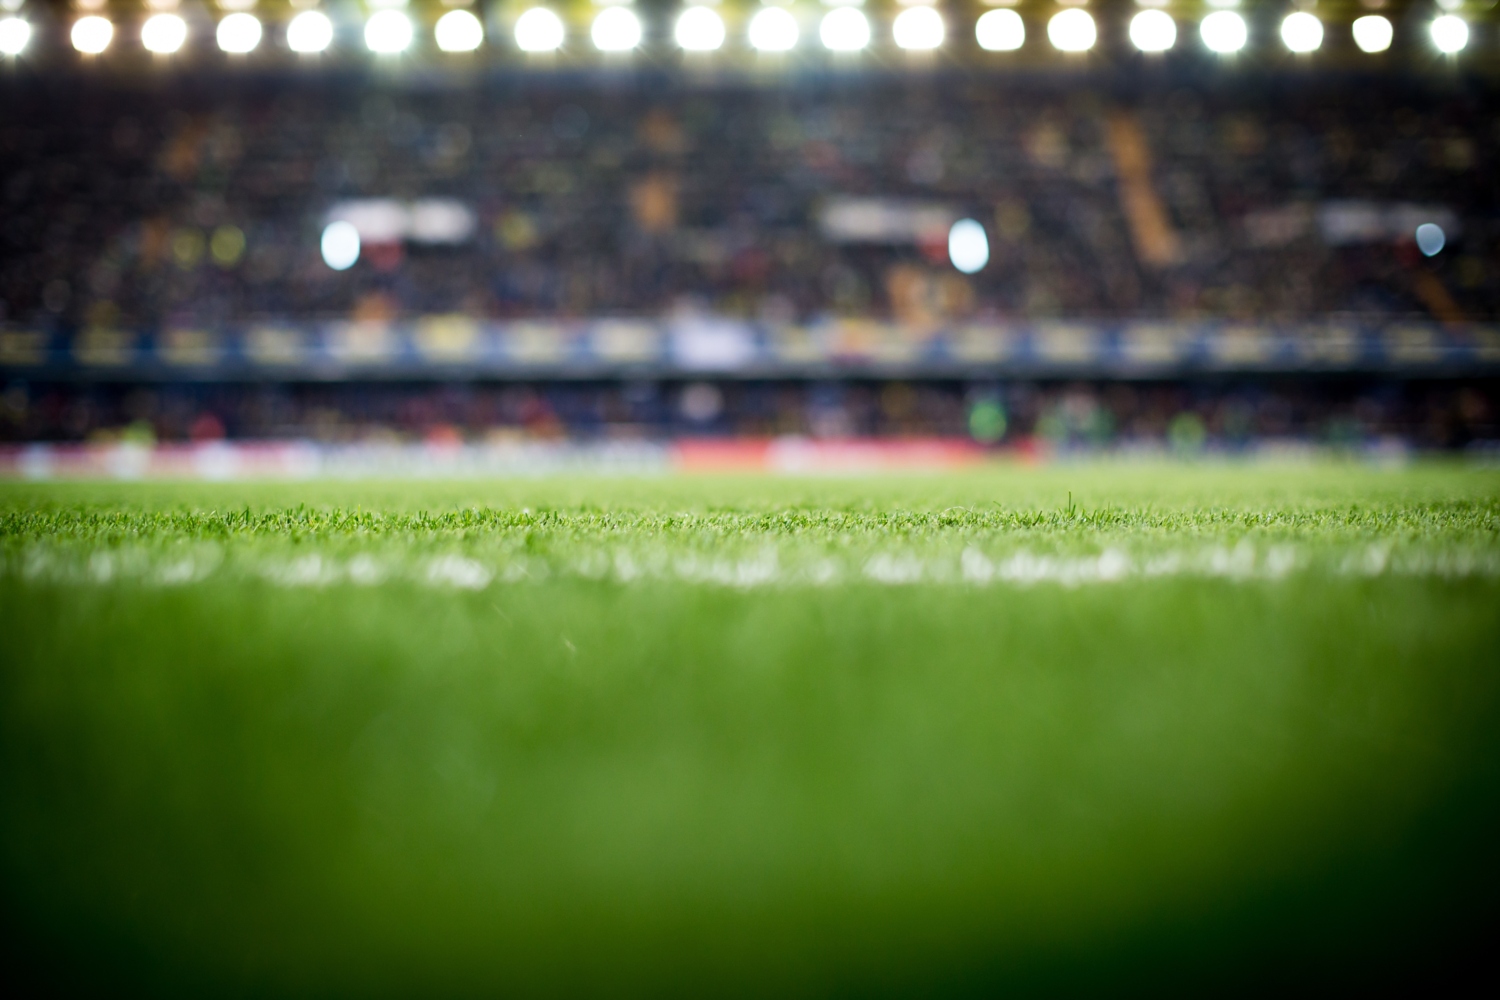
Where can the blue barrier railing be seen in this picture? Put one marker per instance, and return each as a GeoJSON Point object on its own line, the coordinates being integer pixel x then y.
{"type": "Point", "coordinates": [457, 346]}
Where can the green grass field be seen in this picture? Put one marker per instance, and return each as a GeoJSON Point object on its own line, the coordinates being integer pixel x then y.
{"type": "Point", "coordinates": [1112, 727]}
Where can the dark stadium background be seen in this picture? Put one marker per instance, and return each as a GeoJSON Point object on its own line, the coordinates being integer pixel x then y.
{"type": "Point", "coordinates": [1186, 250]}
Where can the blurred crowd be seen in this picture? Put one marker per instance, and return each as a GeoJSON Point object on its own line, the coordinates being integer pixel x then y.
{"type": "Point", "coordinates": [187, 201]}
{"type": "Point", "coordinates": [1074, 416]}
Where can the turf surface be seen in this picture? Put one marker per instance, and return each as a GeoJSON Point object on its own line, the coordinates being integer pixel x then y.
{"type": "Point", "coordinates": [1062, 728]}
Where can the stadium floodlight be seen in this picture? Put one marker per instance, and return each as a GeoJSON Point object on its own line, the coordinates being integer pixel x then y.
{"type": "Point", "coordinates": [1450, 34]}
{"type": "Point", "coordinates": [1153, 31]}
{"type": "Point", "coordinates": [844, 29]}
{"type": "Point", "coordinates": [15, 33]}
{"type": "Point", "coordinates": [308, 32]}
{"type": "Point", "coordinates": [1431, 239]}
{"type": "Point", "coordinates": [163, 34]}
{"type": "Point", "coordinates": [968, 246]}
{"type": "Point", "coordinates": [1373, 33]}
{"type": "Point", "coordinates": [918, 29]}
{"type": "Point", "coordinates": [388, 32]}
{"type": "Point", "coordinates": [238, 33]}
{"type": "Point", "coordinates": [699, 29]}
{"type": "Point", "coordinates": [1072, 30]}
{"type": "Point", "coordinates": [1302, 32]}
{"type": "Point", "coordinates": [616, 30]}
{"type": "Point", "coordinates": [458, 31]}
{"type": "Point", "coordinates": [91, 35]}
{"type": "Point", "coordinates": [1000, 31]}
{"type": "Point", "coordinates": [773, 29]}
{"type": "Point", "coordinates": [539, 30]}
{"type": "Point", "coordinates": [1224, 32]}
{"type": "Point", "coordinates": [340, 245]}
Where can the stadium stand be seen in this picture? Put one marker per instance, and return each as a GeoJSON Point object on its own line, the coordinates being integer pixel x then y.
{"type": "Point", "coordinates": [535, 246]}
{"type": "Point", "coordinates": [1252, 198]}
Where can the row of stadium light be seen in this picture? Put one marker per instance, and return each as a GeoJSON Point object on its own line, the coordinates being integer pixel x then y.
{"type": "Point", "coordinates": [772, 29]}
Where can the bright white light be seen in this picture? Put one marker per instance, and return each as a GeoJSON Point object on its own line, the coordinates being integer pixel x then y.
{"type": "Point", "coordinates": [458, 31]}
{"type": "Point", "coordinates": [1372, 33]}
{"type": "Point", "coordinates": [918, 29]}
{"type": "Point", "coordinates": [616, 30]}
{"type": "Point", "coordinates": [773, 29]}
{"type": "Point", "coordinates": [1072, 31]}
{"type": "Point", "coordinates": [91, 35]}
{"type": "Point", "coordinates": [238, 33]}
{"type": "Point", "coordinates": [968, 247]}
{"type": "Point", "coordinates": [1450, 34]}
{"type": "Point", "coordinates": [1302, 32]}
{"type": "Point", "coordinates": [1224, 31]}
{"type": "Point", "coordinates": [1000, 31]}
{"type": "Point", "coordinates": [699, 29]}
{"type": "Point", "coordinates": [1153, 31]}
{"type": "Point", "coordinates": [539, 30]}
{"type": "Point", "coordinates": [1431, 239]}
{"type": "Point", "coordinates": [388, 32]}
{"type": "Point", "coordinates": [340, 245]}
{"type": "Point", "coordinates": [844, 29]}
{"type": "Point", "coordinates": [163, 33]}
{"type": "Point", "coordinates": [309, 31]}
{"type": "Point", "coordinates": [14, 34]}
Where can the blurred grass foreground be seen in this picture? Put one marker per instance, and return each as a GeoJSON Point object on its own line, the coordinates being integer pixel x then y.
{"type": "Point", "coordinates": [1099, 728]}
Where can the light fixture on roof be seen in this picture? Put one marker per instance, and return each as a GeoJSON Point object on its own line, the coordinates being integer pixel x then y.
{"type": "Point", "coordinates": [1302, 32]}
{"type": "Point", "coordinates": [616, 30]}
{"type": "Point", "coordinates": [388, 32]}
{"type": "Point", "coordinates": [91, 35]}
{"type": "Point", "coordinates": [458, 31]}
{"type": "Point", "coordinates": [1373, 33]}
{"type": "Point", "coordinates": [1072, 30]}
{"type": "Point", "coordinates": [918, 29]}
{"type": "Point", "coordinates": [1450, 34]}
{"type": "Point", "coordinates": [844, 29]}
{"type": "Point", "coordinates": [699, 29]}
{"type": "Point", "coordinates": [539, 30]}
{"type": "Point", "coordinates": [15, 33]}
{"type": "Point", "coordinates": [1153, 31]}
{"type": "Point", "coordinates": [163, 34]}
{"type": "Point", "coordinates": [238, 33]}
{"type": "Point", "coordinates": [1000, 31]}
{"type": "Point", "coordinates": [1223, 32]}
{"type": "Point", "coordinates": [309, 32]}
{"type": "Point", "coordinates": [773, 29]}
